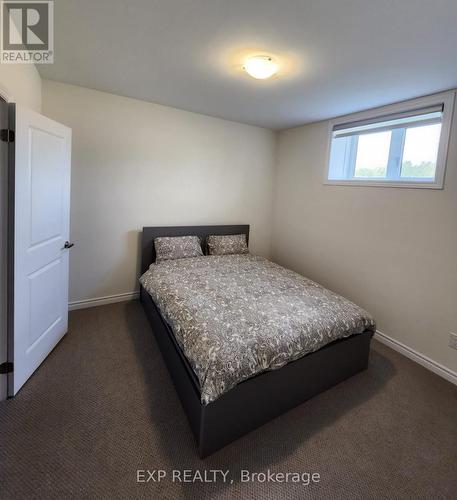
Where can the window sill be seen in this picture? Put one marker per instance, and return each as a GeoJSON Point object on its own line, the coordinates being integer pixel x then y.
{"type": "Point", "coordinates": [391, 184]}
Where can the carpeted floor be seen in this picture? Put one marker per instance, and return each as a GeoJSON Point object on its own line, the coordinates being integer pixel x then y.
{"type": "Point", "coordinates": [103, 406]}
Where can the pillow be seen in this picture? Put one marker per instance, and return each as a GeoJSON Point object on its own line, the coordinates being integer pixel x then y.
{"type": "Point", "coordinates": [225, 245]}
{"type": "Point", "coordinates": [177, 247]}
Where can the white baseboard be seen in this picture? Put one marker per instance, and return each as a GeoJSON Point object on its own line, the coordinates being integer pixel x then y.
{"type": "Point", "coordinates": [101, 301]}
{"type": "Point", "coordinates": [424, 361]}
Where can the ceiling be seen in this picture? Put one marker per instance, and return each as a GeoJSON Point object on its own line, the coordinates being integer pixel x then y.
{"type": "Point", "coordinates": [336, 56]}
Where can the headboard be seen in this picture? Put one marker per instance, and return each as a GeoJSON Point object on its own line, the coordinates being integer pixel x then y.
{"type": "Point", "coordinates": [148, 254]}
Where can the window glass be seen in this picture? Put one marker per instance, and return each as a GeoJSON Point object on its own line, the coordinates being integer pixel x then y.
{"type": "Point", "coordinates": [420, 152]}
{"type": "Point", "coordinates": [372, 155]}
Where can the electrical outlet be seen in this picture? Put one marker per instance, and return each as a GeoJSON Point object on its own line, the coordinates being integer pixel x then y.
{"type": "Point", "coordinates": [453, 340]}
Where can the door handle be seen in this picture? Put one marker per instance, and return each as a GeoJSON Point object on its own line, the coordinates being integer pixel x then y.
{"type": "Point", "coordinates": [68, 245]}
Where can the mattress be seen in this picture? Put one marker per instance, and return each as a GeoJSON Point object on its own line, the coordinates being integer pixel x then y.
{"type": "Point", "coordinates": [236, 316]}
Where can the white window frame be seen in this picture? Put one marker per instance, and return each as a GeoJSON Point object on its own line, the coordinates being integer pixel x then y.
{"type": "Point", "coordinates": [445, 98]}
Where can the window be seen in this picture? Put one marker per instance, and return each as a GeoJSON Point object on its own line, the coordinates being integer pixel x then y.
{"type": "Point", "coordinates": [404, 145]}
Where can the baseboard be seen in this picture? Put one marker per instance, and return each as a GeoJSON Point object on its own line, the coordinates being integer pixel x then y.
{"type": "Point", "coordinates": [101, 301]}
{"type": "Point", "coordinates": [424, 361]}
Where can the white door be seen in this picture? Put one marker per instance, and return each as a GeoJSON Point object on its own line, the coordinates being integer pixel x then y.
{"type": "Point", "coordinates": [41, 234]}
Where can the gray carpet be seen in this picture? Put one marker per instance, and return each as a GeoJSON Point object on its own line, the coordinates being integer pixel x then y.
{"type": "Point", "coordinates": [102, 406]}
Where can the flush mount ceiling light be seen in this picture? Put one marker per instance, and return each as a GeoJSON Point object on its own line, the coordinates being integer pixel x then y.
{"type": "Point", "coordinates": [260, 67]}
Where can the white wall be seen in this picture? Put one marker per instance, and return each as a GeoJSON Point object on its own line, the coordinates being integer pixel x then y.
{"type": "Point", "coordinates": [391, 250]}
{"type": "Point", "coordinates": [22, 84]}
{"type": "Point", "coordinates": [135, 163]}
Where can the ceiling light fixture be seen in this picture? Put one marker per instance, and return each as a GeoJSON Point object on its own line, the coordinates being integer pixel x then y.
{"type": "Point", "coordinates": [260, 67]}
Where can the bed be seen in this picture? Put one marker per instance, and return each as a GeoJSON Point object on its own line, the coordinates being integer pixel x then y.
{"type": "Point", "coordinates": [226, 399]}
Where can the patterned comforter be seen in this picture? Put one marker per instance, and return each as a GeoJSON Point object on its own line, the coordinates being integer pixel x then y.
{"type": "Point", "coordinates": [235, 316]}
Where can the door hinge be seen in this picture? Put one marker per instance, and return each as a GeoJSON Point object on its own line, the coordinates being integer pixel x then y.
{"type": "Point", "coordinates": [6, 368]}
{"type": "Point", "coordinates": [7, 135]}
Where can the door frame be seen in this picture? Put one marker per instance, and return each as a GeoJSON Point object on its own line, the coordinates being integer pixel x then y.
{"type": "Point", "coordinates": [5, 348]}
{"type": "Point", "coordinates": [10, 246]}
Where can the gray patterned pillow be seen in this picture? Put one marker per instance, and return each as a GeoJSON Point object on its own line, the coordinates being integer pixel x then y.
{"type": "Point", "coordinates": [225, 245]}
{"type": "Point", "coordinates": [177, 247]}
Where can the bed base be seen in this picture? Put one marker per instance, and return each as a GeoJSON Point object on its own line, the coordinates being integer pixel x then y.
{"type": "Point", "coordinates": [258, 399]}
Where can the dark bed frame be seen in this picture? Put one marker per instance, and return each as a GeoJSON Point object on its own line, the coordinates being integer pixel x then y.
{"type": "Point", "coordinates": [258, 399]}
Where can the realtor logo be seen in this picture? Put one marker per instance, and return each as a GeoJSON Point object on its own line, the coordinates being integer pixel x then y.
{"type": "Point", "coordinates": [27, 32]}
